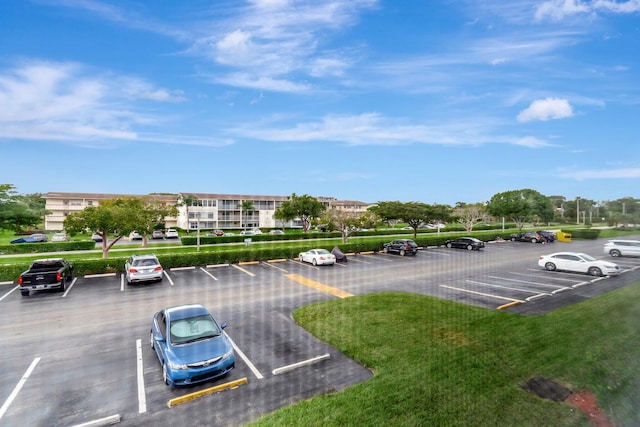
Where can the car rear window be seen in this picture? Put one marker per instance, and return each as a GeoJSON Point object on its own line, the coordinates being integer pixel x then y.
{"type": "Point", "coordinates": [145, 262]}
{"type": "Point", "coordinates": [46, 265]}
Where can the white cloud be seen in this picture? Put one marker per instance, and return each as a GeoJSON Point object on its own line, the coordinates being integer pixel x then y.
{"type": "Point", "coordinates": [273, 40]}
{"type": "Point", "coordinates": [376, 129]}
{"type": "Point", "coordinates": [65, 102]}
{"type": "Point", "coordinates": [546, 109]}
{"type": "Point", "coordinates": [559, 9]}
{"type": "Point", "coordinates": [532, 142]}
{"type": "Point", "coordinates": [627, 173]}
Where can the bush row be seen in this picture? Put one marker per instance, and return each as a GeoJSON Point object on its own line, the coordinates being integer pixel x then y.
{"type": "Point", "coordinates": [256, 253]}
{"type": "Point", "coordinates": [28, 248]}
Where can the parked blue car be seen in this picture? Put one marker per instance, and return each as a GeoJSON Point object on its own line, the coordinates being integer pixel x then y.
{"type": "Point", "coordinates": [34, 238]}
{"type": "Point", "coordinates": [190, 345]}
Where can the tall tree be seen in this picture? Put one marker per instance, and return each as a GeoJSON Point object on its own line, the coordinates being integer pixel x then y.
{"type": "Point", "coordinates": [346, 222]}
{"type": "Point", "coordinates": [413, 213]}
{"type": "Point", "coordinates": [521, 206]}
{"type": "Point", "coordinates": [305, 208]}
{"type": "Point", "coordinates": [17, 212]}
{"type": "Point", "coordinates": [118, 217]}
{"type": "Point", "coordinates": [245, 206]}
{"type": "Point", "coordinates": [187, 201]}
{"type": "Point", "coordinates": [470, 214]}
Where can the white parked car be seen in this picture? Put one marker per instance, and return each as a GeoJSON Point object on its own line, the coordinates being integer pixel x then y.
{"type": "Point", "coordinates": [617, 248]}
{"type": "Point", "coordinates": [171, 234]}
{"type": "Point", "coordinates": [142, 268]}
{"type": "Point", "coordinates": [578, 262]}
{"type": "Point", "coordinates": [317, 257]}
{"type": "Point", "coordinates": [60, 237]}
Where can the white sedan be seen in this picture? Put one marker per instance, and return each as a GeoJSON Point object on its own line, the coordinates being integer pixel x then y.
{"type": "Point", "coordinates": [317, 257]}
{"type": "Point", "coordinates": [578, 262]}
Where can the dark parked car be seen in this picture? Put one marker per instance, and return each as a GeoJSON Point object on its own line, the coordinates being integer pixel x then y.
{"type": "Point", "coordinates": [468, 243]}
{"type": "Point", "coordinates": [529, 236]}
{"type": "Point", "coordinates": [549, 236]}
{"type": "Point", "coordinates": [401, 246]}
{"type": "Point", "coordinates": [34, 238]}
{"type": "Point", "coordinates": [44, 274]}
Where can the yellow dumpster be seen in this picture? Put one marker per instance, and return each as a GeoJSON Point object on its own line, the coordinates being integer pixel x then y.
{"type": "Point", "coordinates": [563, 237]}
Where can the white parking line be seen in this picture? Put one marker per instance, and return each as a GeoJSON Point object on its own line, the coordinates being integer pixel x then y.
{"type": "Point", "coordinates": [7, 294]}
{"type": "Point", "coordinates": [245, 358]}
{"type": "Point", "coordinates": [493, 285]}
{"type": "Point", "coordinates": [207, 273]}
{"type": "Point", "coordinates": [18, 387]}
{"type": "Point", "coordinates": [275, 266]}
{"type": "Point", "coordinates": [243, 270]}
{"type": "Point", "coordinates": [357, 259]}
{"type": "Point", "coordinates": [142, 398]}
{"type": "Point", "coordinates": [168, 277]}
{"type": "Point", "coordinates": [557, 288]}
{"type": "Point", "coordinates": [73, 282]}
{"type": "Point", "coordinates": [559, 279]}
{"type": "Point", "coordinates": [482, 293]}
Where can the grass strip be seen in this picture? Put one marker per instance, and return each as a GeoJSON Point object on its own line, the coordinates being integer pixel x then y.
{"type": "Point", "coordinates": [439, 362]}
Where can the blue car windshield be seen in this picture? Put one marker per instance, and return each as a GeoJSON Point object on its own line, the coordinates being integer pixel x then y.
{"type": "Point", "coordinates": [193, 329]}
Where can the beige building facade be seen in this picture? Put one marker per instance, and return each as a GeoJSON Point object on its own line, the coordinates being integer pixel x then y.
{"type": "Point", "coordinates": [207, 211]}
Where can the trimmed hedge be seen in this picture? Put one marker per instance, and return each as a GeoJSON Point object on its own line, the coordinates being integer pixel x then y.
{"type": "Point", "coordinates": [27, 248]}
{"type": "Point", "coordinates": [583, 233]}
{"type": "Point", "coordinates": [256, 253]}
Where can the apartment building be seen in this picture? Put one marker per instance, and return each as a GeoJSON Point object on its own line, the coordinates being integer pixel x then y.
{"type": "Point", "coordinates": [203, 210]}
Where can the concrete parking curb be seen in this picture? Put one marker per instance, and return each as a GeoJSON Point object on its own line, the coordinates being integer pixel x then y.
{"type": "Point", "coordinates": [192, 396]}
{"type": "Point", "coordinates": [293, 366]}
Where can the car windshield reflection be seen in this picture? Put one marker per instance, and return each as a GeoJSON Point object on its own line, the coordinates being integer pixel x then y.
{"type": "Point", "coordinates": [193, 329]}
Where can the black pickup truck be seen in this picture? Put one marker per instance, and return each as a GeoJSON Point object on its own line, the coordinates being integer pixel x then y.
{"type": "Point", "coordinates": [44, 274]}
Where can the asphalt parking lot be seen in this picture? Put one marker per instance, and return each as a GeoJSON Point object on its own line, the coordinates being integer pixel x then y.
{"type": "Point", "coordinates": [83, 356]}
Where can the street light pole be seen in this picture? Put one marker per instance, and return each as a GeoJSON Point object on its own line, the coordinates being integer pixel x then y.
{"type": "Point", "coordinates": [577, 210]}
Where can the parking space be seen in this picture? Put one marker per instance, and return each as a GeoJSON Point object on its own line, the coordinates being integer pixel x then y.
{"type": "Point", "coordinates": [89, 347]}
{"type": "Point", "coordinates": [524, 284]}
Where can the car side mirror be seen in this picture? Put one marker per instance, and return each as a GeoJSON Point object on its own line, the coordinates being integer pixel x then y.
{"type": "Point", "coordinates": [223, 325]}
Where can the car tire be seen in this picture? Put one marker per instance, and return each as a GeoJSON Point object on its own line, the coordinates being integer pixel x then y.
{"type": "Point", "coordinates": [62, 287]}
{"type": "Point", "coordinates": [513, 239]}
{"type": "Point", "coordinates": [314, 262]}
{"type": "Point", "coordinates": [300, 259]}
{"type": "Point", "coordinates": [151, 340]}
{"type": "Point", "coordinates": [449, 245]}
{"type": "Point", "coordinates": [25, 293]}
{"type": "Point", "coordinates": [534, 240]}
{"type": "Point", "coordinates": [402, 252]}
{"type": "Point", "coordinates": [550, 266]}
{"type": "Point", "coordinates": [595, 271]}
{"type": "Point", "coordinates": [615, 253]}
{"type": "Point", "coordinates": [469, 247]}
{"type": "Point", "coordinates": [385, 250]}
{"type": "Point", "coordinates": [165, 376]}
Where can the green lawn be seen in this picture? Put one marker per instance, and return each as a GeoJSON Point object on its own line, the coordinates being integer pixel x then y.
{"type": "Point", "coordinates": [440, 363]}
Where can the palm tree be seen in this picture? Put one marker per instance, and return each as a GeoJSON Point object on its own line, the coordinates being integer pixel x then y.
{"type": "Point", "coordinates": [245, 206]}
{"type": "Point", "coordinates": [188, 200]}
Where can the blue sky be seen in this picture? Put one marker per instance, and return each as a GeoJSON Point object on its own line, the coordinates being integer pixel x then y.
{"type": "Point", "coordinates": [435, 101]}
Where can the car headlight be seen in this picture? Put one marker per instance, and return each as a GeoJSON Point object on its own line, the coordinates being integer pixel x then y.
{"type": "Point", "coordinates": [174, 365]}
{"type": "Point", "coordinates": [228, 354]}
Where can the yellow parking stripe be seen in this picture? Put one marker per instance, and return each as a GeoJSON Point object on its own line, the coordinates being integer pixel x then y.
{"type": "Point", "coordinates": [319, 286]}
{"type": "Point", "coordinates": [192, 396]}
